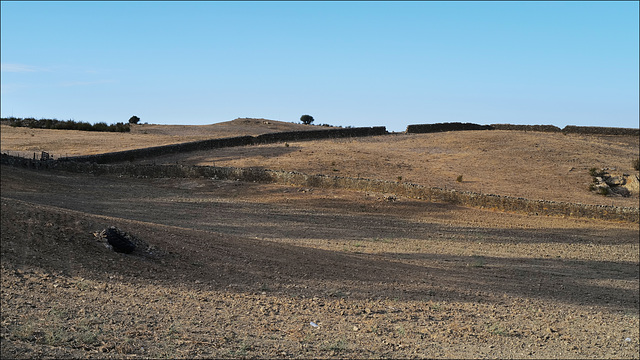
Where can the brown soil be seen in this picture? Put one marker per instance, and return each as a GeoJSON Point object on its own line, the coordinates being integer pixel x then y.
{"type": "Point", "coordinates": [242, 270]}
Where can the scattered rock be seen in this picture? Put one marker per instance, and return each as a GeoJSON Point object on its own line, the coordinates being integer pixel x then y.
{"type": "Point", "coordinates": [390, 198]}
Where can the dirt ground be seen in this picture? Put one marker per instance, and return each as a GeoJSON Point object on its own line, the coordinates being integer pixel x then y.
{"type": "Point", "coordinates": [245, 270]}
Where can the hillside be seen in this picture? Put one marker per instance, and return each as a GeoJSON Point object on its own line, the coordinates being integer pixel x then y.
{"type": "Point", "coordinates": [26, 141]}
{"type": "Point", "coordinates": [532, 165]}
{"type": "Point", "coordinates": [237, 127]}
{"type": "Point", "coordinates": [232, 269]}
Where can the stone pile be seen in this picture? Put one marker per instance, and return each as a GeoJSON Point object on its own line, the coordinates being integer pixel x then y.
{"type": "Point", "coordinates": [613, 185]}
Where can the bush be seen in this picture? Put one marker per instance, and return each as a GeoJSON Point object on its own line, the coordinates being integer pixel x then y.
{"type": "Point", "coordinates": [595, 172]}
{"type": "Point", "coordinates": [84, 126]}
{"type": "Point", "coordinates": [121, 127]}
{"type": "Point", "coordinates": [306, 119]}
{"type": "Point", "coordinates": [134, 120]}
{"type": "Point", "coordinates": [100, 126]}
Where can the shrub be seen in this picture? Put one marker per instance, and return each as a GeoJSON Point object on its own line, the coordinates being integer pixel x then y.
{"type": "Point", "coordinates": [121, 127]}
{"type": "Point", "coordinates": [84, 126]}
{"type": "Point", "coordinates": [100, 126]}
{"type": "Point", "coordinates": [595, 172]}
{"type": "Point", "coordinates": [459, 179]}
{"type": "Point", "coordinates": [306, 119]}
{"type": "Point", "coordinates": [134, 120]}
{"type": "Point", "coordinates": [66, 125]}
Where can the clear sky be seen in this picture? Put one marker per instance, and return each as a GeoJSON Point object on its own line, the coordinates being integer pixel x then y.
{"type": "Point", "coordinates": [344, 63]}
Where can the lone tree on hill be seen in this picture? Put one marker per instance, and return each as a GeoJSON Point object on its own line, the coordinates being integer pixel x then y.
{"type": "Point", "coordinates": [134, 120]}
{"type": "Point", "coordinates": [306, 119]}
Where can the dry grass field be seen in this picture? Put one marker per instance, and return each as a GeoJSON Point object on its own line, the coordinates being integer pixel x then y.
{"type": "Point", "coordinates": [532, 165]}
{"type": "Point", "coordinates": [245, 270]}
{"type": "Point", "coordinates": [26, 141]}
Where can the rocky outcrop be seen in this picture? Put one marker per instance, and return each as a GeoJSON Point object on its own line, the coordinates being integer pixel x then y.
{"type": "Point", "coordinates": [633, 183]}
{"type": "Point", "coordinates": [613, 185]}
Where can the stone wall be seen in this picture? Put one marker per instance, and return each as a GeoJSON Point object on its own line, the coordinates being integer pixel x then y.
{"type": "Point", "coordinates": [542, 128]}
{"type": "Point", "coordinates": [597, 130]}
{"type": "Point", "coordinates": [462, 198]}
{"type": "Point", "coordinates": [319, 134]}
{"type": "Point", "coordinates": [130, 155]}
{"type": "Point", "coordinates": [440, 127]}
{"type": "Point", "coordinates": [569, 129]}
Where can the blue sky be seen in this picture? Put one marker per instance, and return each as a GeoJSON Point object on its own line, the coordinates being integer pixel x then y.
{"type": "Point", "coordinates": [344, 63]}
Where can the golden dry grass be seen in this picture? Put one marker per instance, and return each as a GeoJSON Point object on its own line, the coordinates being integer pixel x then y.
{"type": "Point", "coordinates": [26, 141]}
{"type": "Point", "coordinates": [532, 165]}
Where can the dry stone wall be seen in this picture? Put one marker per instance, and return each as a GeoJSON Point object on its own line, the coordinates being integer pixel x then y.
{"type": "Point", "coordinates": [130, 155]}
{"type": "Point", "coordinates": [569, 129]}
{"type": "Point", "coordinates": [440, 127]}
{"type": "Point", "coordinates": [319, 134]}
{"type": "Point", "coordinates": [542, 128]}
{"type": "Point", "coordinates": [597, 130]}
{"type": "Point", "coordinates": [462, 198]}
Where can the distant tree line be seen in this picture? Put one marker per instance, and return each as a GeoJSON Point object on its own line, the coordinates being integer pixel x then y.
{"type": "Point", "coordinates": [65, 124]}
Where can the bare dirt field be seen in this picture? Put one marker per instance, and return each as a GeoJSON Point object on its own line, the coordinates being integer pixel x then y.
{"type": "Point", "coordinates": [244, 270]}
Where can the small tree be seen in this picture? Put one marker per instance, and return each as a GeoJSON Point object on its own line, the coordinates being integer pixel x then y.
{"type": "Point", "coordinates": [306, 119]}
{"type": "Point", "coordinates": [134, 120]}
